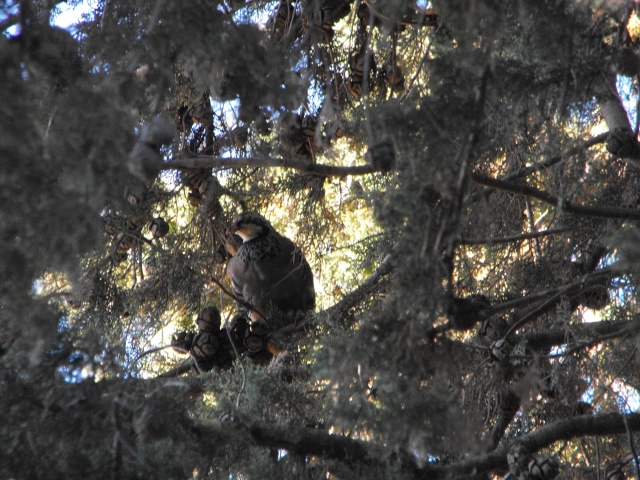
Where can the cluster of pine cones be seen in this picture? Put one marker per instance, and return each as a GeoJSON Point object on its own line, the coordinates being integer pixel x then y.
{"type": "Point", "coordinates": [215, 348]}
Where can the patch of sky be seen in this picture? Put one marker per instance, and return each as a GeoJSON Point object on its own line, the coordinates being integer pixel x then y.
{"type": "Point", "coordinates": [6, 12]}
{"type": "Point", "coordinates": [628, 91]}
{"type": "Point", "coordinates": [626, 397]}
{"type": "Point", "coordinates": [66, 15]}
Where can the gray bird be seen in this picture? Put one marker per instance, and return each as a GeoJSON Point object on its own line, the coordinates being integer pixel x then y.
{"type": "Point", "coordinates": [269, 270]}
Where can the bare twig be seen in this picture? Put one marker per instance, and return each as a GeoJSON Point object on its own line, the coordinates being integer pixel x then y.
{"type": "Point", "coordinates": [147, 352]}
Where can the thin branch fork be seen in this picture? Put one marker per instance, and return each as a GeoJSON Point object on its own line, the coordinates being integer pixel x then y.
{"type": "Point", "coordinates": [566, 205]}
{"type": "Point", "coordinates": [537, 303]}
{"type": "Point", "coordinates": [548, 162]}
{"type": "Point", "coordinates": [556, 159]}
{"type": "Point", "coordinates": [203, 161]}
{"type": "Point", "coordinates": [570, 289]}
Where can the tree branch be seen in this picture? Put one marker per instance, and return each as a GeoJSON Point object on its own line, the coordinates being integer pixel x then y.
{"type": "Point", "coordinates": [178, 370]}
{"type": "Point", "coordinates": [571, 289]}
{"type": "Point", "coordinates": [300, 165]}
{"type": "Point", "coordinates": [542, 340]}
{"type": "Point", "coordinates": [565, 429]}
{"type": "Point", "coordinates": [551, 161]}
{"type": "Point", "coordinates": [307, 441]}
{"type": "Point", "coordinates": [304, 441]}
{"type": "Point", "coordinates": [355, 296]}
{"type": "Point", "coordinates": [548, 162]}
{"type": "Point", "coordinates": [512, 238]}
{"type": "Point", "coordinates": [566, 205]}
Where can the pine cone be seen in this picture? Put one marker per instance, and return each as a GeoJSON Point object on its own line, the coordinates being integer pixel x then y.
{"type": "Point", "coordinates": [209, 320]}
{"type": "Point", "coordinates": [181, 342]}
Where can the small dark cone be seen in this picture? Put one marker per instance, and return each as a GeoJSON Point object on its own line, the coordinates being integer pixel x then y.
{"type": "Point", "coordinates": [254, 342]}
{"type": "Point", "coordinates": [181, 342]}
{"type": "Point", "coordinates": [464, 313]}
{"type": "Point", "coordinates": [623, 144]}
{"type": "Point", "coordinates": [493, 329]}
{"type": "Point", "coordinates": [209, 320]}
{"type": "Point", "coordinates": [205, 345]}
{"type": "Point", "coordinates": [256, 338]}
{"type": "Point", "coordinates": [159, 227]}
{"type": "Point", "coordinates": [382, 155]}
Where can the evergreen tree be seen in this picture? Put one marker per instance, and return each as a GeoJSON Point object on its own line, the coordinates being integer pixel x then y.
{"type": "Point", "coordinates": [461, 177]}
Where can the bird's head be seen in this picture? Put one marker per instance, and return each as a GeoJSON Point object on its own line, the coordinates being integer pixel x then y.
{"type": "Point", "coordinates": [249, 226]}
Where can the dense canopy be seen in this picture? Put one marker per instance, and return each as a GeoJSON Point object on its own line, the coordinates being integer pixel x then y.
{"type": "Point", "coordinates": [462, 178]}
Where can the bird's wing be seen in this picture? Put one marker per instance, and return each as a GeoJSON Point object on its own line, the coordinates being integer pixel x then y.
{"type": "Point", "coordinates": [283, 279]}
{"type": "Point", "coordinates": [291, 278]}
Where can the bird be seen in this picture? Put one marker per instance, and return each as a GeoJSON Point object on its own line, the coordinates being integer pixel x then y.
{"type": "Point", "coordinates": [268, 271]}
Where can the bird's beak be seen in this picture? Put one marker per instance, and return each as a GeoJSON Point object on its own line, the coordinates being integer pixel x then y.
{"type": "Point", "coordinates": [231, 229]}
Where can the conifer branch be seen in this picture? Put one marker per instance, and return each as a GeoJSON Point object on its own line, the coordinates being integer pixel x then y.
{"type": "Point", "coordinates": [512, 238]}
{"type": "Point", "coordinates": [599, 331]}
{"type": "Point", "coordinates": [15, 18]}
{"type": "Point", "coordinates": [307, 441]}
{"type": "Point", "coordinates": [556, 159]}
{"type": "Point", "coordinates": [203, 161]}
{"type": "Point", "coordinates": [565, 429]}
{"type": "Point", "coordinates": [571, 289]}
{"type": "Point", "coordinates": [355, 296]}
{"type": "Point", "coordinates": [566, 205]}
{"type": "Point", "coordinates": [303, 441]}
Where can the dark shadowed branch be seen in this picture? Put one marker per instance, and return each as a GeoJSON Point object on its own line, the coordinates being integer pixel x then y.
{"type": "Point", "coordinates": [590, 332]}
{"type": "Point", "coordinates": [545, 436]}
{"type": "Point", "coordinates": [303, 441]}
{"type": "Point", "coordinates": [573, 288]}
{"type": "Point", "coordinates": [307, 441]}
